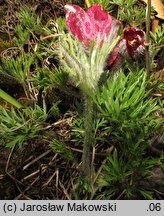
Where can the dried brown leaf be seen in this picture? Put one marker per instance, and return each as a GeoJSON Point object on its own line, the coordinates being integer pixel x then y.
{"type": "Point", "coordinates": [158, 7]}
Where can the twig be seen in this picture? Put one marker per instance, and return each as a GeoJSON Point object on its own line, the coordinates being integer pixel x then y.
{"type": "Point", "coordinates": [51, 36]}
{"type": "Point", "coordinates": [123, 192]}
{"type": "Point", "coordinates": [7, 165]}
{"type": "Point", "coordinates": [50, 179]}
{"type": "Point", "coordinates": [36, 159]}
{"type": "Point", "coordinates": [62, 121]}
{"type": "Point", "coordinates": [57, 183]}
{"type": "Point", "coordinates": [99, 170]}
{"type": "Point", "coordinates": [35, 180]}
{"type": "Point", "coordinates": [22, 193]}
{"type": "Point", "coordinates": [26, 197]}
{"type": "Point", "coordinates": [159, 192]}
{"type": "Point", "coordinates": [92, 162]}
{"type": "Point", "coordinates": [65, 191]}
{"type": "Point", "coordinates": [158, 46]}
{"type": "Point", "coordinates": [147, 38]}
{"type": "Point", "coordinates": [34, 173]}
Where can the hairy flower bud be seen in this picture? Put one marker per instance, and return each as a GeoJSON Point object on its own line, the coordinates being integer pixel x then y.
{"type": "Point", "coordinates": [97, 24]}
{"type": "Point", "coordinates": [94, 23]}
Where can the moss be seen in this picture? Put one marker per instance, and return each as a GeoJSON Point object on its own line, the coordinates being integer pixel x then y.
{"type": "Point", "coordinates": [3, 35]}
{"type": "Point", "coordinates": [2, 15]}
{"type": "Point", "coordinates": [4, 45]}
{"type": "Point", "coordinates": [2, 21]}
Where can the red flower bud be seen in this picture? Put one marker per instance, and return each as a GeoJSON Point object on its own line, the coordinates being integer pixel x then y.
{"type": "Point", "coordinates": [131, 47]}
{"type": "Point", "coordinates": [134, 42]}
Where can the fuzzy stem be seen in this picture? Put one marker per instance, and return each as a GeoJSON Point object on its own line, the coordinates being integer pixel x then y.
{"type": "Point", "coordinates": [147, 39]}
{"type": "Point", "coordinates": [88, 136]}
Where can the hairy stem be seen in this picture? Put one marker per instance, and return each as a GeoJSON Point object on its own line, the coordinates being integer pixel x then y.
{"type": "Point", "coordinates": [88, 136]}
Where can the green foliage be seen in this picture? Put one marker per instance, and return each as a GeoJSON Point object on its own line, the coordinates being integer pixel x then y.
{"type": "Point", "coordinates": [61, 25]}
{"type": "Point", "coordinates": [157, 36]}
{"type": "Point", "coordinates": [46, 77]}
{"type": "Point", "coordinates": [29, 20]}
{"type": "Point", "coordinates": [19, 126]}
{"type": "Point", "coordinates": [115, 170]}
{"type": "Point", "coordinates": [31, 66]}
{"type": "Point", "coordinates": [122, 3]}
{"type": "Point", "coordinates": [83, 190]}
{"type": "Point", "coordinates": [125, 98]}
{"type": "Point", "coordinates": [105, 3]}
{"type": "Point", "coordinates": [114, 176]}
{"type": "Point", "coordinates": [157, 41]}
{"type": "Point", "coordinates": [120, 175]}
{"type": "Point", "coordinates": [28, 25]}
{"type": "Point", "coordinates": [60, 148]}
{"type": "Point", "coordinates": [77, 131]}
{"type": "Point", "coordinates": [22, 35]}
{"type": "Point", "coordinates": [54, 111]}
{"type": "Point", "coordinates": [19, 67]}
{"type": "Point", "coordinates": [125, 104]}
{"type": "Point", "coordinates": [127, 8]}
{"type": "Point", "coordinates": [127, 118]}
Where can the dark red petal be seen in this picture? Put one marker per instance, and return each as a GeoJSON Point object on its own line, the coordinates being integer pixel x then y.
{"type": "Point", "coordinates": [115, 60]}
{"type": "Point", "coordinates": [140, 32]}
{"type": "Point", "coordinates": [130, 34]}
{"type": "Point", "coordinates": [134, 38]}
{"type": "Point", "coordinates": [113, 56]}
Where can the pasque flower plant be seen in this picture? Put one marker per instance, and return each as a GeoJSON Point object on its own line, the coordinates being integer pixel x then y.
{"type": "Point", "coordinates": [84, 57]}
{"type": "Point", "coordinates": [96, 46]}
